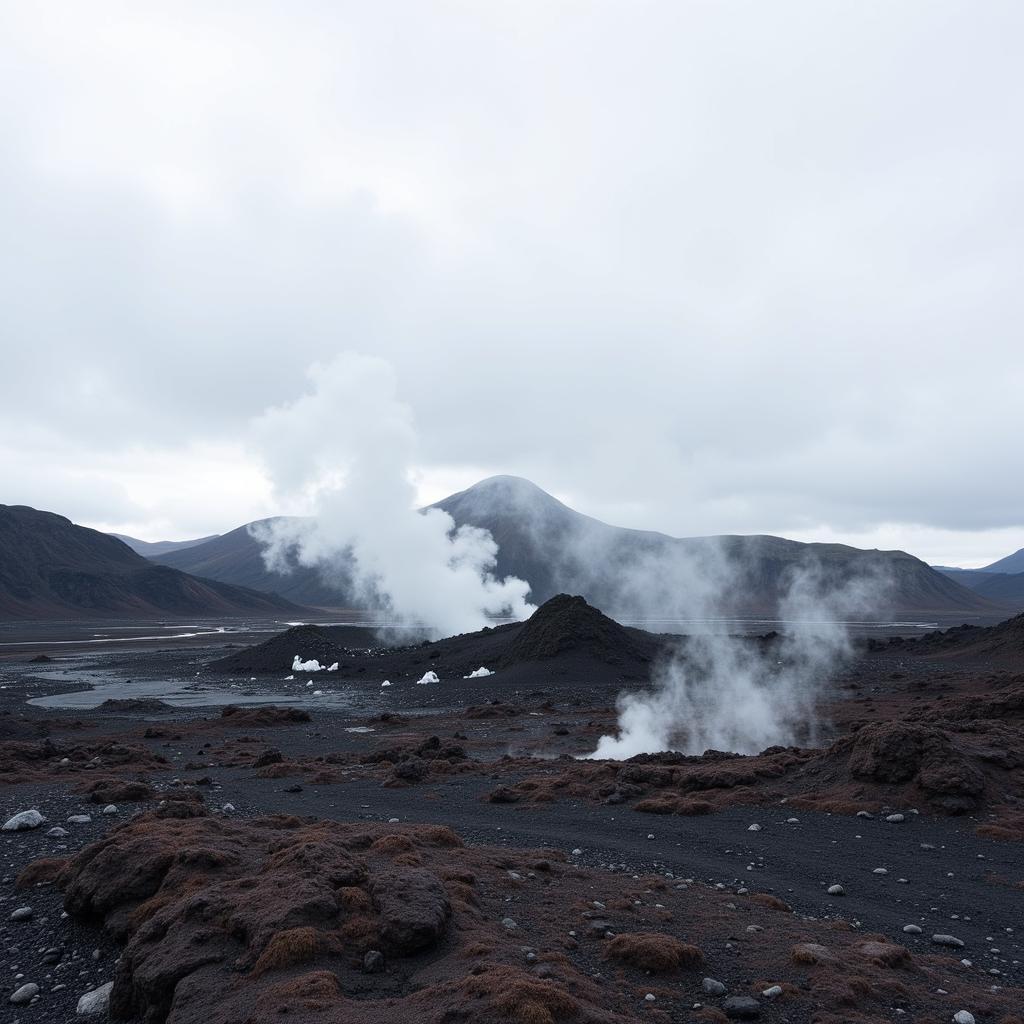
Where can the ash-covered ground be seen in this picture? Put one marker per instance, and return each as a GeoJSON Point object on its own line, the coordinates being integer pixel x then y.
{"type": "Point", "coordinates": [258, 848]}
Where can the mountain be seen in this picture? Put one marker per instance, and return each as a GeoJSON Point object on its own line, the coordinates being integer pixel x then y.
{"type": "Point", "coordinates": [627, 573]}
{"type": "Point", "coordinates": [1004, 588]}
{"type": "Point", "coordinates": [236, 557]}
{"type": "Point", "coordinates": [1011, 564]}
{"type": "Point", "coordinates": [51, 568]}
{"type": "Point", "coordinates": [150, 548]}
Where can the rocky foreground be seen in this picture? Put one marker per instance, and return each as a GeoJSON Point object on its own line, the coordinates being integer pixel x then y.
{"type": "Point", "coordinates": [450, 859]}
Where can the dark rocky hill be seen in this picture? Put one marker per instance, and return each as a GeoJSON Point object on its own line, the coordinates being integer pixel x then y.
{"type": "Point", "coordinates": [565, 636]}
{"type": "Point", "coordinates": [51, 568]}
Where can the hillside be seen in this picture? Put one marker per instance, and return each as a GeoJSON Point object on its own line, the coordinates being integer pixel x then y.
{"type": "Point", "coordinates": [153, 548]}
{"type": "Point", "coordinates": [629, 573]}
{"type": "Point", "coordinates": [1002, 587]}
{"type": "Point", "coordinates": [1011, 564]}
{"type": "Point", "coordinates": [235, 558]}
{"type": "Point", "coordinates": [51, 568]}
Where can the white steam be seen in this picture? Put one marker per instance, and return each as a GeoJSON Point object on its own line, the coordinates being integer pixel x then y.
{"type": "Point", "coordinates": [347, 447]}
{"type": "Point", "coordinates": [742, 694]}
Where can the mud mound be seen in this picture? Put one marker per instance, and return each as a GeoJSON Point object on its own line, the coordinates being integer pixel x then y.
{"type": "Point", "coordinates": [325, 644]}
{"type": "Point", "coordinates": [229, 920]}
{"type": "Point", "coordinates": [49, 759]}
{"type": "Point", "coordinates": [135, 705]}
{"type": "Point", "coordinates": [568, 625]}
{"type": "Point", "coordinates": [277, 915]}
{"type": "Point", "coordinates": [1002, 641]}
{"type": "Point", "coordinates": [267, 715]}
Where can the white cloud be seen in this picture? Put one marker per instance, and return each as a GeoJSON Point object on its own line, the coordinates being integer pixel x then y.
{"type": "Point", "coordinates": [698, 267]}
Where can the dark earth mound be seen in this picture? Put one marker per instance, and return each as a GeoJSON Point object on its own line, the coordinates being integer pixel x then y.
{"type": "Point", "coordinates": [365, 923]}
{"type": "Point", "coordinates": [1002, 642]}
{"type": "Point", "coordinates": [565, 636]}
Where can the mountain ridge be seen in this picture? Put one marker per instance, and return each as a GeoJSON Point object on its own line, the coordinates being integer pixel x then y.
{"type": "Point", "coordinates": [52, 568]}
{"type": "Point", "coordinates": [622, 570]}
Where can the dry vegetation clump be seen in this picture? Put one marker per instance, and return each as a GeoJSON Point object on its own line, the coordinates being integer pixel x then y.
{"type": "Point", "coordinates": [287, 948]}
{"type": "Point", "coordinates": [652, 951]}
{"type": "Point", "coordinates": [766, 899]}
{"type": "Point", "coordinates": [48, 869]}
{"type": "Point", "coordinates": [512, 995]}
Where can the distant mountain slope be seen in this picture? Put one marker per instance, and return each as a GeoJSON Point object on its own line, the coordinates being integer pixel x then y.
{"type": "Point", "coordinates": [1011, 564]}
{"type": "Point", "coordinates": [151, 549]}
{"type": "Point", "coordinates": [236, 557]}
{"type": "Point", "coordinates": [51, 568]}
{"type": "Point", "coordinates": [1005, 588]}
{"type": "Point", "coordinates": [627, 573]}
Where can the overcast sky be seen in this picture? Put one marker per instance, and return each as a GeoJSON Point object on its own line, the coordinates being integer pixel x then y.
{"type": "Point", "coordinates": [694, 266]}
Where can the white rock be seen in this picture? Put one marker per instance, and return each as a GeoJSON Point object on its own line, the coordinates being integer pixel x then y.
{"type": "Point", "coordinates": [880, 871]}
{"type": "Point", "coordinates": [318, 693]}
{"type": "Point", "coordinates": [963, 1017]}
{"type": "Point", "coordinates": [24, 820]}
{"type": "Point", "coordinates": [96, 1001]}
{"type": "Point", "coordinates": [479, 673]}
{"type": "Point", "coordinates": [836, 890]}
{"type": "Point", "coordinates": [228, 808]}
{"type": "Point", "coordinates": [332, 668]}
{"type": "Point", "coordinates": [428, 677]}
{"type": "Point", "coordinates": [649, 997]}
{"type": "Point", "coordinates": [110, 809]}
{"type": "Point", "coordinates": [772, 991]}
{"type": "Point", "coordinates": [912, 929]}
{"type": "Point", "coordinates": [895, 817]}
{"type": "Point", "coordinates": [792, 821]}
{"type": "Point", "coordinates": [754, 828]}
{"type": "Point", "coordinates": [79, 819]}
{"type": "Point", "coordinates": [947, 940]}
{"type": "Point", "coordinates": [25, 994]}
{"type": "Point", "coordinates": [57, 832]}
{"type": "Point", "coordinates": [387, 682]}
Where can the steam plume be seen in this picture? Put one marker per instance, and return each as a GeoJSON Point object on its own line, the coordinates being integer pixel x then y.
{"type": "Point", "coordinates": [729, 693]}
{"type": "Point", "coordinates": [347, 447]}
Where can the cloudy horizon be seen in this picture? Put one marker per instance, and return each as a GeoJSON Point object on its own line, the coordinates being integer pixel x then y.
{"type": "Point", "coordinates": [697, 268]}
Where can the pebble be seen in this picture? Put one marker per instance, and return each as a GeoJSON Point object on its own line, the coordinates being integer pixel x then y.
{"type": "Point", "coordinates": [25, 994]}
{"type": "Point", "coordinates": [836, 890]}
{"type": "Point", "coordinates": [912, 929]}
{"type": "Point", "coordinates": [95, 1002]}
{"type": "Point", "coordinates": [742, 1008]}
{"type": "Point", "coordinates": [963, 1017]}
{"type": "Point", "coordinates": [947, 940]}
{"type": "Point", "coordinates": [754, 828]}
{"type": "Point", "coordinates": [649, 998]}
{"type": "Point", "coordinates": [772, 991]}
{"type": "Point", "coordinates": [228, 808]}
{"type": "Point", "coordinates": [895, 817]}
{"type": "Point", "coordinates": [57, 832]}
{"type": "Point", "coordinates": [23, 820]}
{"type": "Point", "coordinates": [79, 819]}
{"type": "Point", "coordinates": [110, 809]}
{"type": "Point", "coordinates": [373, 961]}
{"type": "Point", "coordinates": [713, 987]}
{"type": "Point", "coordinates": [509, 923]}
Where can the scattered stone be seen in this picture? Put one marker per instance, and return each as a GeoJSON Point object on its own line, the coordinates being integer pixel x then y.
{"type": "Point", "coordinates": [742, 1008]}
{"type": "Point", "coordinates": [713, 987]}
{"type": "Point", "coordinates": [79, 819]}
{"type": "Point", "coordinates": [95, 1002]}
{"type": "Point", "coordinates": [772, 992]}
{"type": "Point", "coordinates": [836, 890]}
{"type": "Point", "coordinates": [507, 922]}
{"type": "Point", "coordinates": [22, 914]}
{"type": "Point", "coordinates": [880, 871]}
{"type": "Point", "coordinates": [895, 817]}
{"type": "Point", "coordinates": [373, 962]}
{"type": "Point", "coordinates": [963, 1017]}
{"type": "Point", "coordinates": [754, 828]}
{"type": "Point", "coordinates": [58, 833]}
{"type": "Point", "coordinates": [26, 993]}
{"type": "Point", "coordinates": [110, 809]}
{"type": "Point", "coordinates": [228, 808]}
{"type": "Point", "coordinates": [912, 929]}
{"type": "Point", "coordinates": [947, 940]}
{"type": "Point", "coordinates": [23, 820]}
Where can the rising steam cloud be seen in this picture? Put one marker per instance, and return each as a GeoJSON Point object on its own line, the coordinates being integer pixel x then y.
{"type": "Point", "coordinates": [729, 693]}
{"type": "Point", "coordinates": [347, 447]}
